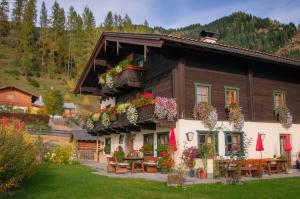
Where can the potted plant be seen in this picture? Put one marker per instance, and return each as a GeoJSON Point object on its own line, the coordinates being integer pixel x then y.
{"type": "Point", "coordinates": [165, 161]}
{"type": "Point", "coordinates": [201, 173]}
{"type": "Point", "coordinates": [107, 149]}
{"type": "Point", "coordinates": [119, 155]}
{"type": "Point", "coordinates": [189, 155]}
{"type": "Point", "coordinates": [148, 149]}
{"type": "Point", "coordinates": [205, 152]}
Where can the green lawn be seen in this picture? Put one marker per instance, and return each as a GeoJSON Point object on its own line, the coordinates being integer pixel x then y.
{"type": "Point", "coordinates": [76, 181]}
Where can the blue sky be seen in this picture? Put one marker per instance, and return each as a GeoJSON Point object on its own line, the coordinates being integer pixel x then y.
{"type": "Point", "coordinates": [178, 13]}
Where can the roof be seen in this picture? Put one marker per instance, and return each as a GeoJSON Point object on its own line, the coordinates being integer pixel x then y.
{"type": "Point", "coordinates": [158, 40]}
{"type": "Point", "coordinates": [34, 96]}
{"type": "Point", "coordinates": [38, 103]}
{"type": "Point", "coordinates": [82, 135]}
{"type": "Point", "coordinates": [69, 105]}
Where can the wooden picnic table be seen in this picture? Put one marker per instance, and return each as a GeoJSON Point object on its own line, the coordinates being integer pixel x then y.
{"type": "Point", "coordinates": [276, 165]}
{"type": "Point", "coordinates": [133, 160]}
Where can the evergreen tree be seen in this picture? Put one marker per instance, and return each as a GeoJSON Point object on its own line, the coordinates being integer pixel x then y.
{"type": "Point", "coordinates": [108, 22]}
{"type": "Point", "coordinates": [4, 24]}
{"type": "Point", "coordinates": [28, 43]}
{"type": "Point", "coordinates": [17, 14]}
{"type": "Point", "coordinates": [44, 36]}
{"type": "Point", "coordinates": [58, 47]}
{"type": "Point", "coordinates": [127, 23]}
{"type": "Point", "coordinates": [71, 27]}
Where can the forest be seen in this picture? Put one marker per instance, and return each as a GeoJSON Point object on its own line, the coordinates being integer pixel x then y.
{"type": "Point", "coordinates": [57, 41]}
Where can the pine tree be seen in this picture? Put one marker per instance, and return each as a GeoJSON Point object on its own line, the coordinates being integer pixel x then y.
{"type": "Point", "coordinates": [79, 58]}
{"type": "Point", "coordinates": [108, 22]}
{"type": "Point", "coordinates": [127, 23]}
{"type": "Point", "coordinates": [4, 24]}
{"type": "Point", "coordinates": [17, 15]}
{"type": "Point", "coordinates": [44, 37]}
{"type": "Point", "coordinates": [28, 43]}
{"type": "Point", "coordinates": [71, 27]}
{"type": "Point", "coordinates": [58, 47]}
{"type": "Point", "coordinates": [89, 26]}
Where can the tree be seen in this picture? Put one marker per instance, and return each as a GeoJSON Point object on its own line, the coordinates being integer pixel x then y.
{"type": "Point", "coordinates": [127, 23]}
{"type": "Point", "coordinates": [17, 14]}
{"type": "Point", "coordinates": [108, 22]}
{"type": "Point", "coordinates": [44, 36]}
{"type": "Point", "coordinates": [4, 24]}
{"type": "Point", "coordinates": [54, 102]}
{"type": "Point", "coordinates": [89, 26]}
{"type": "Point", "coordinates": [28, 43]}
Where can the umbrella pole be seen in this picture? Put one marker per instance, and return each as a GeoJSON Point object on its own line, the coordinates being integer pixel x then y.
{"type": "Point", "coordinates": [262, 171]}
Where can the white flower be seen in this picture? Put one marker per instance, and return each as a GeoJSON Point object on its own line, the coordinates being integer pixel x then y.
{"type": "Point", "coordinates": [109, 80]}
{"type": "Point", "coordinates": [132, 115]}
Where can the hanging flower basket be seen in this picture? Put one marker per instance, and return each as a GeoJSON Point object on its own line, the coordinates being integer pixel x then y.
{"type": "Point", "coordinates": [284, 116]}
{"type": "Point", "coordinates": [206, 113]}
{"type": "Point", "coordinates": [236, 117]}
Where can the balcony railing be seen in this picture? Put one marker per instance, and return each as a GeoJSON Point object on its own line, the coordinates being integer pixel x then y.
{"type": "Point", "coordinates": [131, 77]}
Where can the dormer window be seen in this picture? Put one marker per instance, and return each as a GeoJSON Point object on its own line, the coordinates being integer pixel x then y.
{"type": "Point", "coordinates": [279, 98]}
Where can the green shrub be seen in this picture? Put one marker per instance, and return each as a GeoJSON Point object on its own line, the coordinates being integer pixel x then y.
{"type": "Point", "coordinates": [61, 155]}
{"type": "Point", "coordinates": [33, 82]}
{"type": "Point", "coordinates": [18, 156]}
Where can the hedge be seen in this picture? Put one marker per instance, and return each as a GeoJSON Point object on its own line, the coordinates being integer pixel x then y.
{"type": "Point", "coordinates": [26, 117]}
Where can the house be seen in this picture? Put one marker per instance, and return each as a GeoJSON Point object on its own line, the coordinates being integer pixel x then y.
{"type": "Point", "coordinates": [87, 146]}
{"type": "Point", "coordinates": [19, 100]}
{"type": "Point", "coordinates": [193, 71]}
{"type": "Point", "coordinates": [69, 109]}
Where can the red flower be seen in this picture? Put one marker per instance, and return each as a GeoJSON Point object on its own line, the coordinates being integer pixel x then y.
{"type": "Point", "coordinates": [19, 124]}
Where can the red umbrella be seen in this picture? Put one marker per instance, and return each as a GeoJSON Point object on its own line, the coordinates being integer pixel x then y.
{"type": "Point", "coordinates": [287, 144]}
{"type": "Point", "coordinates": [259, 143]}
{"type": "Point", "coordinates": [172, 141]}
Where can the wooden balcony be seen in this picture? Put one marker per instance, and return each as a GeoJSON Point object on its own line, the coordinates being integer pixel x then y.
{"type": "Point", "coordinates": [131, 77]}
{"type": "Point", "coordinates": [146, 120]}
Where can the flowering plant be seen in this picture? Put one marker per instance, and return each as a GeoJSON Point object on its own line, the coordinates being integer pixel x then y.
{"type": "Point", "coordinates": [90, 123]}
{"type": "Point", "coordinates": [132, 114]}
{"type": "Point", "coordinates": [285, 117]}
{"type": "Point", "coordinates": [95, 117]}
{"type": "Point", "coordinates": [105, 118]}
{"type": "Point", "coordinates": [143, 99]}
{"type": "Point", "coordinates": [206, 113]}
{"type": "Point", "coordinates": [109, 80]}
{"type": "Point", "coordinates": [165, 108]}
{"type": "Point", "coordinates": [236, 117]}
{"type": "Point", "coordinates": [165, 160]}
{"type": "Point", "coordinates": [119, 154]}
{"type": "Point", "coordinates": [188, 156]}
{"type": "Point", "coordinates": [122, 108]}
{"type": "Point", "coordinates": [101, 79]}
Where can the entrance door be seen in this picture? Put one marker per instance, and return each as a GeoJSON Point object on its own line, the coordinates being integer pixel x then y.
{"type": "Point", "coordinates": [283, 153]}
{"type": "Point", "coordinates": [129, 142]}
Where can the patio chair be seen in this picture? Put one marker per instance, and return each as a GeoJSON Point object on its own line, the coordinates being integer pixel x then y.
{"type": "Point", "coordinates": [121, 167]}
{"type": "Point", "coordinates": [150, 164]}
{"type": "Point", "coordinates": [111, 165]}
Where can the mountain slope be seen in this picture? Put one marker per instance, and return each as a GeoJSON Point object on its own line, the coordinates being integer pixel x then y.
{"type": "Point", "coordinates": [292, 48]}
{"type": "Point", "coordinates": [244, 30]}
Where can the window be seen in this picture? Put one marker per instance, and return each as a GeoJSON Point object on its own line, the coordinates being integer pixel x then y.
{"type": "Point", "coordinates": [162, 142]}
{"type": "Point", "coordinates": [232, 95]}
{"type": "Point", "coordinates": [202, 93]}
{"type": "Point", "coordinates": [139, 61]}
{"type": "Point", "coordinates": [207, 137]}
{"type": "Point", "coordinates": [233, 142]}
{"type": "Point", "coordinates": [148, 144]}
{"type": "Point", "coordinates": [279, 98]}
{"type": "Point", "coordinates": [107, 148]}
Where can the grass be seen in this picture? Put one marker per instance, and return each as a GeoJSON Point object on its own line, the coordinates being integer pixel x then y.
{"type": "Point", "coordinates": [76, 181]}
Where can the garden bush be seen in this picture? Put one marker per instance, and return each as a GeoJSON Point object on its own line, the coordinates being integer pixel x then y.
{"type": "Point", "coordinates": [18, 154]}
{"type": "Point", "coordinates": [61, 155]}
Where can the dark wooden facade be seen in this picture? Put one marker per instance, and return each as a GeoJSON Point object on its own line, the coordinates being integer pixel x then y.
{"type": "Point", "coordinates": [173, 65]}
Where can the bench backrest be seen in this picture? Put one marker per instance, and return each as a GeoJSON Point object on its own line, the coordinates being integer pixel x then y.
{"type": "Point", "coordinates": [150, 158]}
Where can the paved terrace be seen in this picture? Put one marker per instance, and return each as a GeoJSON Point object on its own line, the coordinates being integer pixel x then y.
{"type": "Point", "coordinates": [100, 169]}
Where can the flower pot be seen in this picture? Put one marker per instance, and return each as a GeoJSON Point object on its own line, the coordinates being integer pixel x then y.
{"type": "Point", "coordinates": [202, 174]}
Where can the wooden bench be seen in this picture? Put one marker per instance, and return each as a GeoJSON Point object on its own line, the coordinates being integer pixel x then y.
{"type": "Point", "coordinates": [111, 165]}
{"type": "Point", "coordinates": [150, 164]}
{"type": "Point", "coordinates": [252, 166]}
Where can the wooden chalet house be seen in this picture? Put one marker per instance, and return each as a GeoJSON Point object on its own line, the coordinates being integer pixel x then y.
{"type": "Point", "coordinates": [192, 72]}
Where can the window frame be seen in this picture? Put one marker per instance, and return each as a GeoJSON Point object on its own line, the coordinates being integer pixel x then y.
{"type": "Point", "coordinates": [284, 97]}
{"type": "Point", "coordinates": [226, 133]}
{"type": "Point", "coordinates": [226, 88]}
{"type": "Point", "coordinates": [158, 139]}
{"type": "Point", "coordinates": [144, 142]}
{"type": "Point", "coordinates": [201, 132]}
{"type": "Point", "coordinates": [203, 85]}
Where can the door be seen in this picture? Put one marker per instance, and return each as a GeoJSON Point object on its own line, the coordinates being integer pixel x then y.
{"type": "Point", "coordinates": [283, 153]}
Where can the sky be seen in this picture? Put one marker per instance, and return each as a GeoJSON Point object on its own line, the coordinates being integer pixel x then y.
{"type": "Point", "coordinates": [179, 13]}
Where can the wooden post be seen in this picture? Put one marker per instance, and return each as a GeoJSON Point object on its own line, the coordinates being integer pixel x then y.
{"type": "Point", "coordinates": [105, 44]}
{"type": "Point", "coordinates": [97, 148]}
{"type": "Point", "coordinates": [94, 64]}
{"type": "Point", "coordinates": [118, 46]}
{"type": "Point", "coordinates": [145, 53]}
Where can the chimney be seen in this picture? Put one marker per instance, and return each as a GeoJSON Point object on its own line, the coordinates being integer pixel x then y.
{"type": "Point", "coordinates": [207, 36]}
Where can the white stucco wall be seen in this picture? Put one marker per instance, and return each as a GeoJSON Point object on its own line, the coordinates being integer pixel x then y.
{"type": "Point", "coordinates": [271, 141]}
{"type": "Point", "coordinates": [110, 101]}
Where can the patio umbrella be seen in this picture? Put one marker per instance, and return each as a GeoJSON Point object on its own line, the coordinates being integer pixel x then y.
{"type": "Point", "coordinates": [259, 144]}
{"type": "Point", "coordinates": [287, 144]}
{"type": "Point", "coordinates": [172, 141]}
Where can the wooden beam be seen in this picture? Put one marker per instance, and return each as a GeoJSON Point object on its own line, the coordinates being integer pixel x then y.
{"type": "Point", "coordinates": [147, 125]}
{"type": "Point", "coordinates": [136, 41]}
{"type": "Point", "coordinates": [105, 45]}
{"type": "Point", "coordinates": [118, 46]}
{"type": "Point", "coordinates": [100, 62]}
{"type": "Point", "coordinates": [94, 64]}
